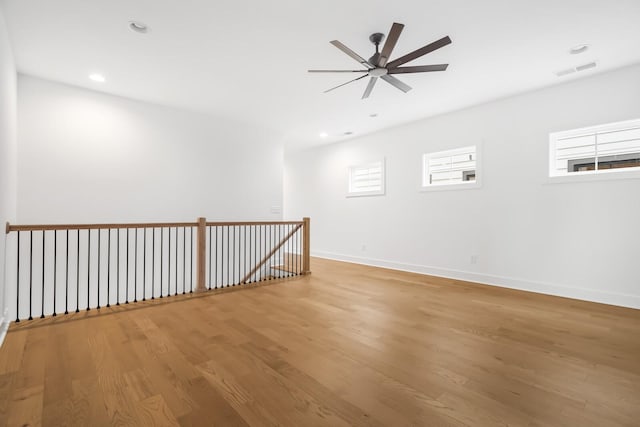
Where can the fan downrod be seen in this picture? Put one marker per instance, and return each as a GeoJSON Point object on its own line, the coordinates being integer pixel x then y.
{"type": "Point", "coordinates": [376, 39]}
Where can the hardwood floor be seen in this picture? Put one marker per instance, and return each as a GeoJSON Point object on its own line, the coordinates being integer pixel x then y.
{"type": "Point", "coordinates": [349, 345]}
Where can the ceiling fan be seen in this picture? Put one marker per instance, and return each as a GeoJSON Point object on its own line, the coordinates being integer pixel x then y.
{"type": "Point", "coordinates": [378, 66]}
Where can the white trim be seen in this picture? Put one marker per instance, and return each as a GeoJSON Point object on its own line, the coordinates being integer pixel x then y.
{"type": "Point", "coordinates": [366, 193]}
{"type": "Point", "coordinates": [622, 300]}
{"type": "Point", "coordinates": [4, 326]}
{"type": "Point", "coordinates": [472, 185]}
{"type": "Point", "coordinates": [4, 318]}
{"type": "Point", "coordinates": [591, 176]}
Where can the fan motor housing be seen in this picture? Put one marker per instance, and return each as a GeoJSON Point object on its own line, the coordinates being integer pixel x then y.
{"type": "Point", "coordinates": [378, 72]}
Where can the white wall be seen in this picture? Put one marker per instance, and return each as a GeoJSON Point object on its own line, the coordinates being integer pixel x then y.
{"type": "Point", "coordinates": [7, 149]}
{"type": "Point", "coordinates": [89, 157]}
{"type": "Point", "coordinates": [579, 239]}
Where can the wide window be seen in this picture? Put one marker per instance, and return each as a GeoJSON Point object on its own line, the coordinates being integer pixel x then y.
{"type": "Point", "coordinates": [451, 167]}
{"type": "Point", "coordinates": [366, 179]}
{"type": "Point", "coordinates": [599, 149]}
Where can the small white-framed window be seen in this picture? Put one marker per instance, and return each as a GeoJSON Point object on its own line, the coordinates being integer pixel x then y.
{"type": "Point", "coordinates": [609, 148]}
{"type": "Point", "coordinates": [451, 167]}
{"type": "Point", "coordinates": [366, 179]}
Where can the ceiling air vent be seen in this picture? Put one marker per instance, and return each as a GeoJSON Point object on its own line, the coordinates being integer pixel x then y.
{"type": "Point", "coordinates": [578, 68]}
{"type": "Point", "coordinates": [565, 72]}
{"type": "Point", "coordinates": [586, 66]}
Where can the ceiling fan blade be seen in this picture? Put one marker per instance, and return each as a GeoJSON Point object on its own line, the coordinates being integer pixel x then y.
{"type": "Point", "coordinates": [418, 69]}
{"type": "Point", "coordinates": [337, 71]}
{"type": "Point", "coordinates": [351, 53]}
{"type": "Point", "coordinates": [392, 39]}
{"type": "Point", "coordinates": [419, 52]}
{"type": "Point", "coordinates": [344, 84]}
{"type": "Point", "coordinates": [397, 83]}
{"type": "Point", "coordinates": [369, 88]}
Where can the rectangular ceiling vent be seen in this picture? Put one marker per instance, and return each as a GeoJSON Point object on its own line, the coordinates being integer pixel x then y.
{"type": "Point", "coordinates": [565, 72]}
{"type": "Point", "coordinates": [586, 66]}
{"type": "Point", "coordinates": [583, 67]}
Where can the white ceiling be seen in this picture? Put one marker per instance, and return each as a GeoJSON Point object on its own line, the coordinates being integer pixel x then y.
{"type": "Point", "coordinates": [247, 59]}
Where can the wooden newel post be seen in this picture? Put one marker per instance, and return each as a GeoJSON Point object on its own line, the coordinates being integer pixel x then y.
{"type": "Point", "coordinates": [202, 254]}
{"type": "Point", "coordinates": [306, 246]}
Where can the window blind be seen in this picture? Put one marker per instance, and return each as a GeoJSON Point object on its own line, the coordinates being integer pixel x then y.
{"type": "Point", "coordinates": [367, 179]}
{"type": "Point", "coordinates": [612, 146]}
{"type": "Point", "coordinates": [450, 167]}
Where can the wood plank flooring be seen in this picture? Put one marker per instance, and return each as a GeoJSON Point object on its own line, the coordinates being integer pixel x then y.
{"type": "Point", "coordinates": [349, 345]}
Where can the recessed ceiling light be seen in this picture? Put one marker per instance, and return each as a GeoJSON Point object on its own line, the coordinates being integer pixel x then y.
{"type": "Point", "coordinates": [373, 115]}
{"type": "Point", "coordinates": [581, 48]}
{"type": "Point", "coordinates": [323, 134]}
{"type": "Point", "coordinates": [347, 133]}
{"type": "Point", "coordinates": [97, 77]}
{"type": "Point", "coordinates": [138, 27]}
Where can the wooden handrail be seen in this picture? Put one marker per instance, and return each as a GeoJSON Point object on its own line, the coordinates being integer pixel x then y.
{"type": "Point", "coordinates": [225, 223]}
{"type": "Point", "coordinates": [270, 254]}
{"type": "Point", "coordinates": [49, 227]}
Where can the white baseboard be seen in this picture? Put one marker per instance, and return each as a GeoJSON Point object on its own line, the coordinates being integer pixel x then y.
{"type": "Point", "coordinates": [623, 300]}
{"type": "Point", "coordinates": [4, 327]}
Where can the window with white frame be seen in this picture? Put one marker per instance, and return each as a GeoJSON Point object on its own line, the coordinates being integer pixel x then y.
{"type": "Point", "coordinates": [598, 149]}
{"type": "Point", "coordinates": [366, 179]}
{"type": "Point", "coordinates": [450, 167]}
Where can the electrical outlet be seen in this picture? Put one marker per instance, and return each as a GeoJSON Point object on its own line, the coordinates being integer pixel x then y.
{"type": "Point", "coordinates": [474, 259]}
{"type": "Point", "coordinates": [275, 209]}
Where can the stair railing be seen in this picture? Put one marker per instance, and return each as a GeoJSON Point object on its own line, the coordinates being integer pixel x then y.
{"type": "Point", "coordinates": [58, 269]}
